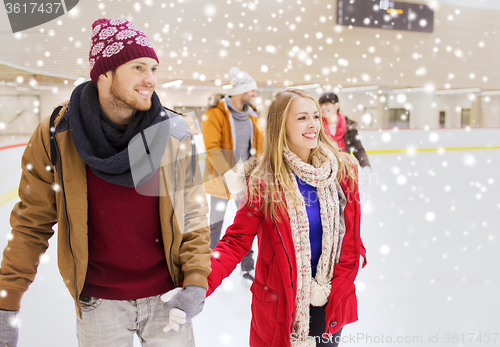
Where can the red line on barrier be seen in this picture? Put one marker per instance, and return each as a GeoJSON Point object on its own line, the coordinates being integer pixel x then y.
{"type": "Point", "coordinates": [13, 146]}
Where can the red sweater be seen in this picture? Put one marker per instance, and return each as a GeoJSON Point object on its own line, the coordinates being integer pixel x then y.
{"type": "Point", "coordinates": [126, 254]}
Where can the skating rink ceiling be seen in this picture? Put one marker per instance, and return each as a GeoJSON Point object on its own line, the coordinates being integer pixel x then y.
{"type": "Point", "coordinates": [278, 42]}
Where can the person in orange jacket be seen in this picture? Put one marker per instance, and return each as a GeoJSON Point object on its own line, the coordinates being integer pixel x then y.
{"type": "Point", "coordinates": [231, 133]}
{"type": "Point", "coordinates": [302, 203]}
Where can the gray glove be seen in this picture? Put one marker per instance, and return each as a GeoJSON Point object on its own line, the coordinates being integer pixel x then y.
{"type": "Point", "coordinates": [9, 330]}
{"type": "Point", "coordinates": [182, 305]}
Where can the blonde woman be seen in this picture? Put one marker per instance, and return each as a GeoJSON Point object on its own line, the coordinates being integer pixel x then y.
{"type": "Point", "coordinates": [303, 204]}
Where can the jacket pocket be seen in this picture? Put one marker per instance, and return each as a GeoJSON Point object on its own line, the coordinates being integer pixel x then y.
{"type": "Point", "coordinates": [264, 311]}
{"type": "Point", "coordinates": [362, 251]}
{"type": "Point", "coordinates": [346, 311]}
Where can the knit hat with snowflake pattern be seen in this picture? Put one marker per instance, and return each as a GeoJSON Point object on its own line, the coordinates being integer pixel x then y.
{"type": "Point", "coordinates": [115, 42]}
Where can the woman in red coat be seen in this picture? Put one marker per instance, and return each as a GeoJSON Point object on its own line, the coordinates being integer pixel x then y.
{"type": "Point", "coordinates": [342, 130]}
{"type": "Point", "coordinates": [302, 202]}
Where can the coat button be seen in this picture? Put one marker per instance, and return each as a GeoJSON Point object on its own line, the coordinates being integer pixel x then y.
{"type": "Point", "coordinates": [332, 324]}
{"type": "Point", "coordinates": [251, 205]}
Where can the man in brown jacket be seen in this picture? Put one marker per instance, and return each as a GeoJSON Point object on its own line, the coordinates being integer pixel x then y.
{"type": "Point", "coordinates": [117, 171]}
{"type": "Point", "coordinates": [231, 133]}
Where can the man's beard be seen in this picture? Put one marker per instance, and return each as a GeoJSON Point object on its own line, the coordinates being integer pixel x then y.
{"type": "Point", "coordinates": [131, 101]}
{"type": "Point", "coordinates": [247, 102]}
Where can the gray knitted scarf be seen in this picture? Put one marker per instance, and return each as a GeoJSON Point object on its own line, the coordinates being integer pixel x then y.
{"type": "Point", "coordinates": [237, 114]}
{"type": "Point", "coordinates": [102, 144]}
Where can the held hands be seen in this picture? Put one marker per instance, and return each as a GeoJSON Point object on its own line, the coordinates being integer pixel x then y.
{"type": "Point", "coordinates": [233, 179]}
{"type": "Point", "coordinates": [9, 330]}
{"type": "Point", "coordinates": [182, 305]}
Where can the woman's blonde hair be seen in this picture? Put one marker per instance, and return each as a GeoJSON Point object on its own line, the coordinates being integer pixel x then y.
{"type": "Point", "coordinates": [273, 170]}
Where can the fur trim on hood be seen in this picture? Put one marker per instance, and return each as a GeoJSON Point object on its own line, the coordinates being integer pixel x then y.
{"type": "Point", "coordinates": [214, 99]}
{"type": "Point", "coordinates": [248, 166]}
{"type": "Point", "coordinates": [238, 181]}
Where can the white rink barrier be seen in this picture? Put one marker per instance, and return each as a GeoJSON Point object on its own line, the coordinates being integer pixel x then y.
{"type": "Point", "coordinates": [420, 140]}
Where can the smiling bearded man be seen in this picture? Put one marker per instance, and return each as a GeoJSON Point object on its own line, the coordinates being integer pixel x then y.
{"type": "Point", "coordinates": [119, 249]}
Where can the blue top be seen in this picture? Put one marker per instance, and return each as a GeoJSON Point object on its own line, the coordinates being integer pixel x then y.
{"type": "Point", "coordinates": [311, 200]}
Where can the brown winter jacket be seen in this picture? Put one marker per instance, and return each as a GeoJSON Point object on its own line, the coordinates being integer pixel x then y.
{"type": "Point", "coordinates": [49, 197]}
{"type": "Point", "coordinates": [219, 146]}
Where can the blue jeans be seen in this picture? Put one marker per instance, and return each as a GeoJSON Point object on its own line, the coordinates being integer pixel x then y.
{"type": "Point", "coordinates": [113, 323]}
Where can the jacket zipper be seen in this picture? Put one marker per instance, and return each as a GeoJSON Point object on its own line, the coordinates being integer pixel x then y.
{"type": "Point", "coordinates": [172, 218]}
{"type": "Point", "coordinates": [290, 265]}
{"type": "Point", "coordinates": [193, 157]}
{"type": "Point", "coordinates": [172, 273]}
{"type": "Point", "coordinates": [77, 295]}
{"type": "Point", "coordinates": [171, 247]}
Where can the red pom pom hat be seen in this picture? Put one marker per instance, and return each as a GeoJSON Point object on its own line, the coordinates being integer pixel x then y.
{"type": "Point", "coordinates": [115, 42]}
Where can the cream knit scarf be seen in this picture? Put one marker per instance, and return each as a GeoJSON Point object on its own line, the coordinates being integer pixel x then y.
{"type": "Point", "coordinates": [313, 291]}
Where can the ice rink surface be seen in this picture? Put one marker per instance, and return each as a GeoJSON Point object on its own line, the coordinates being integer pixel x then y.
{"type": "Point", "coordinates": [430, 226]}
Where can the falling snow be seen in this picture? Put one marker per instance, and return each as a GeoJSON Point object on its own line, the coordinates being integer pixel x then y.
{"type": "Point", "coordinates": [445, 200]}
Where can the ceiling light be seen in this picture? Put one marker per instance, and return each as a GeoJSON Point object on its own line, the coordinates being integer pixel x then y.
{"type": "Point", "coordinates": [306, 86]}
{"type": "Point", "coordinates": [359, 89]}
{"type": "Point", "coordinates": [458, 91]}
{"type": "Point", "coordinates": [172, 83]}
{"type": "Point", "coordinates": [491, 92]}
{"type": "Point", "coordinates": [80, 80]}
